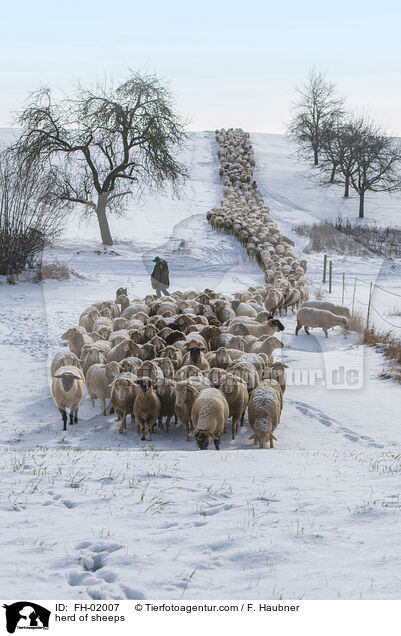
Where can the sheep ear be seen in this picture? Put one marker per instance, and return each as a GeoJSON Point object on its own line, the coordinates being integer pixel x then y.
{"type": "Point", "coordinates": [285, 366]}
{"type": "Point", "coordinates": [72, 375]}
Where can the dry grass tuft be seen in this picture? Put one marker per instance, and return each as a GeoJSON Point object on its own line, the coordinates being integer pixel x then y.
{"type": "Point", "coordinates": [356, 323]}
{"type": "Point", "coordinates": [390, 346]}
{"type": "Point", "coordinates": [56, 271]}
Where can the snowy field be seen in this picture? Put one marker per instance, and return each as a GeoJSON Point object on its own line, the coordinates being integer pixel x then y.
{"type": "Point", "coordinates": [90, 513]}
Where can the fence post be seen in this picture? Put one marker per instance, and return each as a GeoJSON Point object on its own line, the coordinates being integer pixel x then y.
{"type": "Point", "coordinates": [369, 303]}
{"type": "Point", "coordinates": [342, 296]}
{"type": "Point", "coordinates": [324, 267]}
{"type": "Point", "coordinates": [353, 297]}
{"type": "Point", "coordinates": [330, 275]}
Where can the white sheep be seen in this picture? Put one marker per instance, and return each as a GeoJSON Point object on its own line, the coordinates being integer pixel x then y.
{"type": "Point", "coordinates": [339, 310]}
{"type": "Point", "coordinates": [209, 415]}
{"type": "Point", "coordinates": [77, 337]}
{"type": "Point", "coordinates": [98, 381]}
{"type": "Point", "coordinates": [63, 360]}
{"type": "Point", "coordinates": [308, 317]}
{"type": "Point", "coordinates": [68, 391]}
{"type": "Point", "coordinates": [264, 411]}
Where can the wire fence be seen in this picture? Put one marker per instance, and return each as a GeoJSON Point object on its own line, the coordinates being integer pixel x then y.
{"type": "Point", "coordinates": [353, 298]}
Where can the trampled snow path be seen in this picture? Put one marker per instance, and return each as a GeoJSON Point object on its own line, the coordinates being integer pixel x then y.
{"type": "Point", "coordinates": [154, 520]}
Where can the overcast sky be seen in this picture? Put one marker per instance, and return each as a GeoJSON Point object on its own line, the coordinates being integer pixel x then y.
{"type": "Point", "coordinates": [229, 63]}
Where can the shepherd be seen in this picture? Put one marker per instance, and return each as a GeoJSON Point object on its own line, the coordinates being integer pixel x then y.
{"type": "Point", "coordinates": [160, 277]}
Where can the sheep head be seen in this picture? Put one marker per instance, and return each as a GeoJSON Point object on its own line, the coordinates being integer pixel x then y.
{"type": "Point", "coordinates": [145, 384]}
{"type": "Point", "coordinates": [276, 324]}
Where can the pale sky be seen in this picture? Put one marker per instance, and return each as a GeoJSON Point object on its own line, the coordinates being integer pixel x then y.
{"type": "Point", "coordinates": [229, 63]}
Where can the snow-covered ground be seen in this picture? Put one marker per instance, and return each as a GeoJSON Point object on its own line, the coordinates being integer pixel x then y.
{"type": "Point", "coordinates": [92, 513]}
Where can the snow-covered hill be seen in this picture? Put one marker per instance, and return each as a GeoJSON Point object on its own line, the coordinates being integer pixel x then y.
{"type": "Point", "coordinates": [103, 515]}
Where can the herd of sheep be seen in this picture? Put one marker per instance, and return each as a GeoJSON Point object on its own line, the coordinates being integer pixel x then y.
{"type": "Point", "coordinates": [200, 358]}
{"type": "Point", "coordinates": [244, 214]}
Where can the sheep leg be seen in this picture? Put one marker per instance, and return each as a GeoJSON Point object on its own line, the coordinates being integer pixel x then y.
{"type": "Point", "coordinates": [271, 441]}
{"type": "Point", "coordinates": [307, 330]}
{"type": "Point", "coordinates": [141, 427]}
{"type": "Point", "coordinates": [71, 417]}
{"type": "Point", "coordinates": [92, 400]}
{"type": "Point", "coordinates": [297, 328]}
{"type": "Point", "coordinates": [217, 443]}
{"type": "Point", "coordinates": [326, 333]}
{"type": "Point", "coordinates": [187, 429]}
{"type": "Point", "coordinates": [111, 410]}
{"type": "Point", "coordinates": [168, 420]}
{"type": "Point", "coordinates": [103, 404]}
{"type": "Point", "coordinates": [234, 427]}
{"type": "Point", "coordinates": [160, 423]}
{"type": "Point", "coordinates": [242, 419]}
{"type": "Point", "coordinates": [64, 416]}
{"type": "Point", "coordinates": [175, 419]}
{"type": "Point", "coordinates": [76, 416]}
{"type": "Point", "coordinates": [123, 424]}
{"type": "Point", "coordinates": [151, 423]}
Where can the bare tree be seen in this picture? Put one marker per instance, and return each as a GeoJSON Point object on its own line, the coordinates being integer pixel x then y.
{"type": "Point", "coordinates": [377, 160]}
{"type": "Point", "coordinates": [338, 150]}
{"type": "Point", "coordinates": [104, 144]}
{"type": "Point", "coordinates": [358, 154]}
{"type": "Point", "coordinates": [317, 104]}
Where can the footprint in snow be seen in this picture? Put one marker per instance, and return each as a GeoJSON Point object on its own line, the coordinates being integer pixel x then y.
{"type": "Point", "coordinates": [214, 510]}
{"type": "Point", "coordinates": [132, 593]}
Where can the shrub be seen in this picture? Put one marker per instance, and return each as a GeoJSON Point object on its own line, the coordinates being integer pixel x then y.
{"type": "Point", "coordinates": [29, 219]}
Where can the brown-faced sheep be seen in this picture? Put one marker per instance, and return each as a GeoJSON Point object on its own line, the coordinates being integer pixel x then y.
{"type": "Point", "coordinates": [147, 408]}
{"type": "Point", "coordinates": [124, 390]}
{"type": "Point", "coordinates": [165, 390]}
{"type": "Point", "coordinates": [236, 394]}
{"type": "Point", "coordinates": [221, 359]}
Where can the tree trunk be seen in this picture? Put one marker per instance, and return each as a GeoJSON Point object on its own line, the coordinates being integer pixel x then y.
{"type": "Point", "coordinates": [102, 218]}
{"type": "Point", "coordinates": [361, 204]}
{"type": "Point", "coordinates": [316, 156]}
{"type": "Point", "coordinates": [346, 191]}
{"type": "Point", "coordinates": [333, 173]}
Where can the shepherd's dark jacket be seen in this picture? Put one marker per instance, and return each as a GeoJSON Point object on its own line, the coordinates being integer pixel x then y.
{"type": "Point", "coordinates": [160, 275]}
